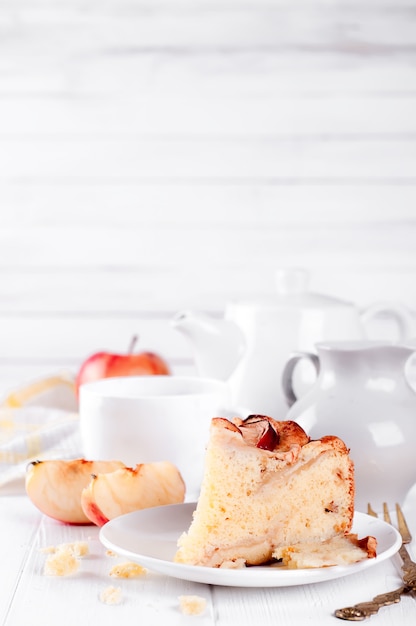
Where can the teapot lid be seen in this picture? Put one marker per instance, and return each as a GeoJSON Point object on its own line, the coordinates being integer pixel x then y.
{"type": "Point", "coordinates": [292, 290]}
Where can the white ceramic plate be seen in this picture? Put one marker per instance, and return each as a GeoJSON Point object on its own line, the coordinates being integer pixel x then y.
{"type": "Point", "coordinates": [149, 538]}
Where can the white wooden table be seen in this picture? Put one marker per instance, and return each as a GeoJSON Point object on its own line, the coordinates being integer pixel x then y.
{"type": "Point", "coordinates": [29, 597]}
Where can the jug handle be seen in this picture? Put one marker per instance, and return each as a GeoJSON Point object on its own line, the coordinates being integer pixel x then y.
{"type": "Point", "coordinates": [287, 376]}
{"type": "Point", "coordinates": [400, 314]}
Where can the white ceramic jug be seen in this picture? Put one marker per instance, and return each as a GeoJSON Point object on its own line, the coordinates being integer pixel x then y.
{"type": "Point", "coordinates": [251, 344]}
{"type": "Point", "coordinates": [362, 394]}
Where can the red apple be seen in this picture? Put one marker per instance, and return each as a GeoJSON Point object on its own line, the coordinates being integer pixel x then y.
{"type": "Point", "coordinates": [107, 365]}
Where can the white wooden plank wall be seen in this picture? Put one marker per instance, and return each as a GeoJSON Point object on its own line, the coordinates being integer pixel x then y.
{"type": "Point", "coordinates": [156, 155]}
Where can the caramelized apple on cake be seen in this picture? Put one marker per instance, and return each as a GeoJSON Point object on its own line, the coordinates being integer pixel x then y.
{"type": "Point", "coordinates": [269, 492]}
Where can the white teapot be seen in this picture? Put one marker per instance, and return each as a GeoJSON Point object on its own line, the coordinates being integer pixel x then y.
{"type": "Point", "coordinates": [251, 345]}
{"type": "Point", "coordinates": [362, 394]}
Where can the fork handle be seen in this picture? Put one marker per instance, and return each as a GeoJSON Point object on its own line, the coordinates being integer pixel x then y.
{"type": "Point", "coordinates": [408, 563]}
{"type": "Point", "coordinates": [408, 567]}
{"type": "Point", "coordinates": [360, 612]}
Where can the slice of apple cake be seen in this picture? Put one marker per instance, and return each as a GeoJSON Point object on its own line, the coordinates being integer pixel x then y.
{"type": "Point", "coordinates": [269, 492]}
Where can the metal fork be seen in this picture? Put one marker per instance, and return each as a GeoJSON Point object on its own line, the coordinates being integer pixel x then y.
{"type": "Point", "coordinates": [361, 611]}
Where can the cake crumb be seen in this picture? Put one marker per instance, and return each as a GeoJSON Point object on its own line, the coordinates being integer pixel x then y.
{"type": "Point", "coordinates": [62, 562]}
{"type": "Point", "coordinates": [127, 570]}
{"type": "Point", "coordinates": [77, 548]}
{"type": "Point", "coordinates": [111, 553]}
{"type": "Point", "coordinates": [111, 595]}
{"type": "Point", "coordinates": [192, 605]}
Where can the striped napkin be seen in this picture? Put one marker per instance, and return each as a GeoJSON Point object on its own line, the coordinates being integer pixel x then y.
{"type": "Point", "coordinates": [37, 421]}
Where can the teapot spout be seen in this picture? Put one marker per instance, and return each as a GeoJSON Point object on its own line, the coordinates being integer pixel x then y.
{"type": "Point", "coordinates": [218, 344]}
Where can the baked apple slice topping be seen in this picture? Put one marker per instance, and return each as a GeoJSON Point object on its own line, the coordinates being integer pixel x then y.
{"type": "Point", "coordinates": [258, 431]}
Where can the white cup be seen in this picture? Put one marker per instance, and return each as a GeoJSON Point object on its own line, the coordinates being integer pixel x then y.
{"type": "Point", "coordinates": [142, 419]}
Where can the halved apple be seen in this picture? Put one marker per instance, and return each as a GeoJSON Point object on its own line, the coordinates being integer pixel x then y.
{"type": "Point", "coordinates": [55, 486]}
{"type": "Point", "coordinates": [131, 489]}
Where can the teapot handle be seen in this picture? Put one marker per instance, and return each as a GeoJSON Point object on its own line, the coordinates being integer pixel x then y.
{"type": "Point", "coordinates": [287, 376]}
{"type": "Point", "coordinates": [400, 314]}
